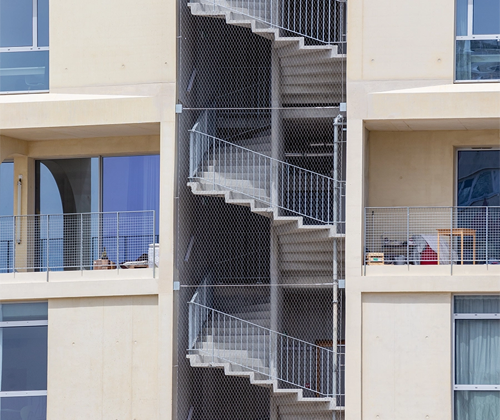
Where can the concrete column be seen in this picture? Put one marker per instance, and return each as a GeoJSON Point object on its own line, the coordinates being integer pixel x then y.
{"type": "Point", "coordinates": [24, 229]}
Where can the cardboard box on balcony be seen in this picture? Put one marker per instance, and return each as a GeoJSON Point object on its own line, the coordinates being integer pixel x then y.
{"type": "Point", "coordinates": [104, 264]}
{"type": "Point", "coordinates": [375, 258]}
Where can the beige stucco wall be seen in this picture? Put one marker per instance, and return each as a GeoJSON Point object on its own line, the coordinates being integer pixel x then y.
{"type": "Point", "coordinates": [406, 356]}
{"type": "Point", "coordinates": [418, 168]}
{"type": "Point", "coordinates": [116, 42]}
{"type": "Point", "coordinates": [103, 358]}
{"type": "Point", "coordinates": [394, 40]}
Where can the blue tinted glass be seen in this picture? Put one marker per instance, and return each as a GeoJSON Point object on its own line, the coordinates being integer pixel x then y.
{"type": "Point", "coordinates": [6, 189]}
{"type": "Point", "coordinates": [461, 17]}
{"type": "Point", "coordinates": [24, 358]}
{"type": "Point", "coordinates": [486, 17]}
{"type": "Point", "coordinates": [43, 23]}
{"type": "Point", "coordinates": [478, 60]}
{"type": "Point", "coordinates": [16, 23]}
{"type": "Point", "coordinates": [24, 71]}
{"type": "Point", "coordinates": [19, 408]}
{"type": "Point", "coordinates": [130, 183]}
{"type": "Point", "coordinates": [33, 311]}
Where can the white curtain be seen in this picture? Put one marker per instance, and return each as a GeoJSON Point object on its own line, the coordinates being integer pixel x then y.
{"type": "Point", "coordinates": [477, 359]}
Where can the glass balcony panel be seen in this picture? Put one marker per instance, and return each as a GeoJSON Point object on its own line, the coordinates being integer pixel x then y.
{"type": "Point", "coordinates": [478, 60]}
{"type": "Point", "coordinates": [15, 408]}
{"type": "Point", "coordinates": [16, 23]}
{"type": "Point", "coordinates": [24, 71]}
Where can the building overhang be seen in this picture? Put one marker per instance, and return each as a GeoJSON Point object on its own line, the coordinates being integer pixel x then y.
{"type": "Point", "coordinates": [460, 106]}
{"type": "Point", "coordinates": [75, 115]}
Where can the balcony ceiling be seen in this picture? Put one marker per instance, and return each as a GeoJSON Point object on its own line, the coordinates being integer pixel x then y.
{"type": "Point", "coordinates": [87, 131]}
{"type": "Point", "coordinates": [472, 106]}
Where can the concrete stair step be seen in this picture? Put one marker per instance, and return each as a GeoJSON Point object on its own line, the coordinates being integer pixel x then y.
{"type": "Point", "coordinates": [308, 248]}
{"type": "Point", "coordinates": [306, 280]}
{"type": "Point", "coordinates": [299, 48]}
{"type": "Point", "coordinates": [319, 257]}
{"type": "Point", "coordinates": [311, 89]}
{"type": "Point", "coordinates": [306, 266]}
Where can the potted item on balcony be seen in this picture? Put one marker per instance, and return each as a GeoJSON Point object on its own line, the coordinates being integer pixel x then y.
{"type": "Point", "coordinates": [104, 263]}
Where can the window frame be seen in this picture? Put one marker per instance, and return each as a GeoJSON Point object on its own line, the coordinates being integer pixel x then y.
{"type": "Point", "coordinates": [34, 45]}
{"type": "Point", "coordinates": [470, 26]}
{"type": "Point", "coordinates": [26, 323]}
{"type": "Point", "coordinates": [471, 316]}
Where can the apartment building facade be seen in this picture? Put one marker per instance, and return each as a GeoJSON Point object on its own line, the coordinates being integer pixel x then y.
{"type": "Point", "coordinates": [422, 279]}
{"type": "Point", "coordinates": [87, 130]}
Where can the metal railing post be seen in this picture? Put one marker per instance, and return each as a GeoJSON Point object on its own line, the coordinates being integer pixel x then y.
{"type": "Point", "coordinates": [48, 236]}
{"type": "Point", "coordinates": [408, 237]}
{"type": "Point", "coordinates": [14, 220]}
{"type": "Point", "coordinates": [81, 241]}
{"type": "Point", "coordinates": [486, 250]}
{"type": "Point", "coordinates": [154, 244]}
{"type": "Point", "coordinates": [117, 241]}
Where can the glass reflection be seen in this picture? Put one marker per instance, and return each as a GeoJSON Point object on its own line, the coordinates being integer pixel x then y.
{"type": "Point", "coordinates": [24, 358]}
{"type": "Point", "coordinates": [21, 408]}
{"type": "Point", "coordinates": [24, 71]}
{"type": "Point", "coordinates": [16, 23]}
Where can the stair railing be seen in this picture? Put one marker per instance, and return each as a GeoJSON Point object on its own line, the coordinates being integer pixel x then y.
{"type": "Point", "coordinates": [320, 20]}
{"type": "Point", "coordinates": [296, 363]}
{"type": "Point", "coordinates": [197, 317]}
{"type": "Point", "coordinates": [228, 166]}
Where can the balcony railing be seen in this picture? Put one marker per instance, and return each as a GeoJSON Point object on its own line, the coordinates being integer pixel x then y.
{"type": "Point", "coordinates": [432, 235]}
{"type": "Point", "coordinates": [83, 241]}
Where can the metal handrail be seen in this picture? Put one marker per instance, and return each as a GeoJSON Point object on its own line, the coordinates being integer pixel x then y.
{"type": "Point", "coordinates": [197, 321]}
{"type": "Point", "coordinates": [319, 20]}
{"type": "Point", "coordinates": [439, 235]}
{"type": "Point", "coordinates": [77, 241]}
{"type": "Point", "coordinates": [276, 356]}
{"type": "Point", "coordinates": [268, 180]}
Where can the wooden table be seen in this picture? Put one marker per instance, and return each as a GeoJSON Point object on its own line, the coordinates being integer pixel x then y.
{"type": "Point", "coordinates": [458, 232]}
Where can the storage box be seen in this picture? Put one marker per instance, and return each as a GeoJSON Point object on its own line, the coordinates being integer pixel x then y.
{"type": "Point", "coordinates": [153, 255]}
{"type": "Point", "coordinates": [104, 264]}
{"type": "Point", "coordinates": [375, 258]}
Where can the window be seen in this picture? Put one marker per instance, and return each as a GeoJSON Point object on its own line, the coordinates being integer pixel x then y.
{"type": "Point", "coordinates": [24, 45]}
{"type": "Point", "coordinates": [23, 361]}
{"type": "Point", "coordinates": [478, 40]}
{"type": "Point", "coordinates": [477, 361]}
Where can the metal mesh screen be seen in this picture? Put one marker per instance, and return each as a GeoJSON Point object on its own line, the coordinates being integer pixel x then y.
{"type": "Point", "coordinates": [260, 214]}
{"type": "Point", "coordinates": [432, 235]}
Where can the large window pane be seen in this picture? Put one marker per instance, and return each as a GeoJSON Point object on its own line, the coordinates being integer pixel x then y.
{"type": "Point", "coordinates": [20, 408]}
{"type": "Point", "coordinates": [6, 189]}
{"type": "Point", "coordinates": [477, 351]}
{"type": "Point", "coordinates": [24, 358]}
{"type": "Point", "coordinates": [478, 60]}
{"type": "Point", "coordinates": [486, 17]}
{"type": "Point", "coordinates": [477, 304]}
{"type": "Point", "coordinates": [461, 17]}
{"type": "Point", "coordinates": [43, 23]}
{"type": "Point", "coordinates": [24, 71]}
{"type": "Point", "coordinates": [16, 23]}
{"type": "Point", "coordinates": [23, 311]}
{"type": "Point", "coordinates": [477, 405]}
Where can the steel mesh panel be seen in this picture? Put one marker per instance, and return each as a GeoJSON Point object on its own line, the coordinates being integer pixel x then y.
{"type": "Point", "coordinates": [261, 210]}
{"type": "Point", "coordinates": [66, 242]}
{"type": "Point", "coordinates": [433, 235]}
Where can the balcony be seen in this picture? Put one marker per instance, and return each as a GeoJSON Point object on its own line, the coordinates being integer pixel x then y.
{"type": "Point", "coordinates": [65, 246]}
{"type": "Point", "coordinates": [446, 240]}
